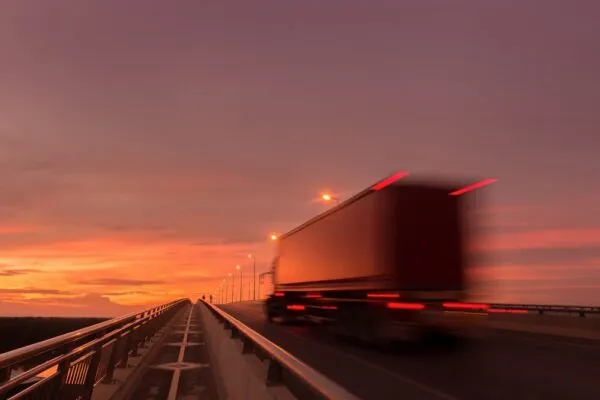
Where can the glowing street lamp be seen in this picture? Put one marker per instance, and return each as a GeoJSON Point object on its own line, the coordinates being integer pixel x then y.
{"type": "Point", "coordinates": [275, 236]}
{"type": "Point", "coordinates": [327, 198]}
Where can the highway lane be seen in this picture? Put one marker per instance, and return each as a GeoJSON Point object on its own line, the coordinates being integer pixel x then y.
{"type": "Point", "coordinates": [498, 365]}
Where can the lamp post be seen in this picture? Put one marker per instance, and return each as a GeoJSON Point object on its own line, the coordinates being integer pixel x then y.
{"type": "Point", "coordinates": [251, 256]}
{"type": "Point", "coordinates": [240, 269]}
{"type": "Point", "coordinates": [232, 284]}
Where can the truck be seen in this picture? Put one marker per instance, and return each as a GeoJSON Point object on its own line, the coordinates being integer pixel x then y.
{"type": "Point", "coordinates": [386, 264]}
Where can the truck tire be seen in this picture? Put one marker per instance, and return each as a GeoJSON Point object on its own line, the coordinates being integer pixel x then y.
{"type": "Point", "coordinates": [270, 311]}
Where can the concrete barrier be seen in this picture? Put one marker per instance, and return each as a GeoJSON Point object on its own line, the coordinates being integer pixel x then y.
{"type": "Point", "coordinates": [241, 376]}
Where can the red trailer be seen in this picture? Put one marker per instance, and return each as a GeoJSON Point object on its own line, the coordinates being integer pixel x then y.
{"type": "Point", "coordinates": [384, 264]}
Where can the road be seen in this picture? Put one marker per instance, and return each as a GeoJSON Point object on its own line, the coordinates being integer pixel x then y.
{"type": "Point", "coordinates": [496, 365]}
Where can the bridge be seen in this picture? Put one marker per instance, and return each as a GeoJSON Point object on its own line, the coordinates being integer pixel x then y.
{"type": "Point", "coordinates": [184, 350]}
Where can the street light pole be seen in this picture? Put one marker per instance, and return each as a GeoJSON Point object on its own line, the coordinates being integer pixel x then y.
{"type": "Point", "coordinates": [232, 284]}
{"type": "Point", "coordinates": [253, 275]}
{"type": "Point", "coordinates": [240, 269]}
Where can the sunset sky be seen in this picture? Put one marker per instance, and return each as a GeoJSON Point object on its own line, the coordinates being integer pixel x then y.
{"type": "Point", "coordinates": [146, 147]}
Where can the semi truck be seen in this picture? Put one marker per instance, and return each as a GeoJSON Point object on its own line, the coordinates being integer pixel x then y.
{"type": "Point", "coordinates": [386, 264]}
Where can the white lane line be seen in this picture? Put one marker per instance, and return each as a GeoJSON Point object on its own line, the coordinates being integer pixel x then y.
{"type": "Point", "coordinates": [177, 372]}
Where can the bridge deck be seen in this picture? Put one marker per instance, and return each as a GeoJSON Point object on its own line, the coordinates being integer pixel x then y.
{"type": "Point", "coordinates": [175, 367]}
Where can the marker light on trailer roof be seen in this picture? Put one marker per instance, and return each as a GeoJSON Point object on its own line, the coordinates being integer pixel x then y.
{"type": "Point", "coordinates": [474, 186]}
{"type": "Point", "coordinates": [389, 180]}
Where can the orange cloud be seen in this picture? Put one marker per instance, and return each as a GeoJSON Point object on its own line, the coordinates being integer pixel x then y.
{"type": "Point", "coordinates": [12, 229]}
{"type": "Point", "coordinates": [79, 306]}
{"type": "Point", "coordinates": [128, 270]}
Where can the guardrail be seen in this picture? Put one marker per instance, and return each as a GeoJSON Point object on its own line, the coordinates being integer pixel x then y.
{"type": "Point", "coordinates": [74, 363]}
{"type": "Point", "coordinates": [283, 368]}
{"type": "Point", "coordinates": [581, 311]}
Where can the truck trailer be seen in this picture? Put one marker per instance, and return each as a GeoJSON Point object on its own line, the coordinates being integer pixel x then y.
{"type": "Point", "coordinates": [386, 264]}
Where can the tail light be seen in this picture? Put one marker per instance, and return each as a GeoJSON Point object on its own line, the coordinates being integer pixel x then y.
{"type": "Point", "coordinates": [296, 307]}
{"type": "Point", "coordinates": [279, 294]}
{"type": "Point", "coordinates": [405, 306]}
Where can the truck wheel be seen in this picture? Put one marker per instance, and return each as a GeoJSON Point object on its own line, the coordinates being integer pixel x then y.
{"type": "Point", "coordinates": [270, 311]}
{"type": "Point", "coordinates": [270, 316]}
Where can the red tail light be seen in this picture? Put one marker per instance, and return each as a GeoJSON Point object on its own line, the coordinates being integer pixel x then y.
{"type": "Point", "coordinates": [295, 307]}
{"type": "Point", "coordinates": [279, 294]}
{"type": "Point", "coordinates": [389, 180]}
{"type": "Point", "coordinates": [474, 186]}
{"type": "Point", "coordinates": [383, 295]}
{"type": "Point", "coordinates": [313, 296]}
{"type": "Point", "coordinates": [466, 306]}
{"type": "Point", "coordinates": [406, 306]}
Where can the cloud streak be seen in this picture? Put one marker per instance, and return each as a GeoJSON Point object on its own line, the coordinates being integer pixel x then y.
{"type": "Point", "coordinates": [119, 282]}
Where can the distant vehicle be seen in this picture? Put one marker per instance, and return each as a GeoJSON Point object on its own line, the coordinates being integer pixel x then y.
{"type": "Point", "coordinates": [386, 264]}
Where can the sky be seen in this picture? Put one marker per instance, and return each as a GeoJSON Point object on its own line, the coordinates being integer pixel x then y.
{"type": "Point", "coordinates": [146, 147]}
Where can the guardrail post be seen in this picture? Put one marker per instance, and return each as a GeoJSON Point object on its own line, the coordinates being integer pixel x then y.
{"type": "Point", "coordinates": [125, 356]}
{"type": "Point", "coordinates": [112, 361]}
{"type": "Point", "coordinates": [90, 378]}
{"type": "Point", "coordinates": [274, 373]}
{"type": "Point", "coordinates": [135, 334]}
{"type": "Point", "coordinates": [248, 346]}
{"type": "Point", "coordinates": [4, 374]}
{"type": "Point", "coordinates": [63, 370]}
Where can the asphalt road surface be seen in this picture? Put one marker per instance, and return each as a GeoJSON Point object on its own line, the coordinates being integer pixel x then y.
{"type": "Point", "coordinates": [495, 365]}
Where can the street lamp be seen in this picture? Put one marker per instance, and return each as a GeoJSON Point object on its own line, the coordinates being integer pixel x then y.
{"type": "Point", "coordinates": [327, 198]}
{"type": "Point", "coordinates": [251, 256]}
{"type": "Point", "coordinates": [240, 269]}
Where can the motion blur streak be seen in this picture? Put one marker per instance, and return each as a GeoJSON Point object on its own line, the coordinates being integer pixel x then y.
{"type": "Point", "coordinates": [389, 180]}
{"type": "Point", "coordinates": [474, 186]}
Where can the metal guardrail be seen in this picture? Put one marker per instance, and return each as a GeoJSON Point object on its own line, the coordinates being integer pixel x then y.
{"type": "Point", "coordinates": [69, 366]}
{"type": "Point", "coordinates": [581, 311]}
{"type": "Point", "coordinates": [283, 368]}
